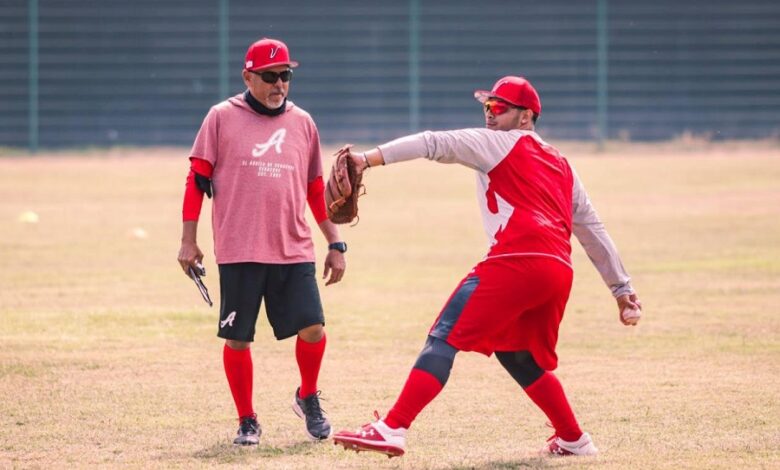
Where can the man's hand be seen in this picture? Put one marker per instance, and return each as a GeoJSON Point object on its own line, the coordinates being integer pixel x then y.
{"type": "Point", "coordinates": [632, 306]}
{"type": "Point", "coordinates": [360, 161]}
{"type": "Point", "coordinates": [335, 265]}
{"type": "Point", "coordinates": [189, 255]}
{"type": "Point", "coordinates": [365, 160]}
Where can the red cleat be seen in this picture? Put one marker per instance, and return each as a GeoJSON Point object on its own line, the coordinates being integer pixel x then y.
{"type": "Point", "coordinates": [375, 437]}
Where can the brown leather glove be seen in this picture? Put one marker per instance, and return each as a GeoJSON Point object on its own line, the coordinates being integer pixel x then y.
{"type": "Point", "coordinates": [344, 188]}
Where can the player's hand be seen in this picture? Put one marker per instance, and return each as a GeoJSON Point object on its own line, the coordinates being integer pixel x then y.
{"type": "Point", "coordinates": [189, 255]}
{"type": "Point", "coordinates": [335, 265]}
{"type": "Point", "coordinates": [630, 304]}
{"type": "Point", "coordinates": [359, 159]}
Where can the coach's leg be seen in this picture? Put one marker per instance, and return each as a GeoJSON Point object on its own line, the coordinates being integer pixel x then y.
{"type": "Point", "coordinates": [545, 391]}
{"type": "Point", "coordinates": [237, 360]}
{"type": "Point", "coordinates": [427, 379]}
{"type": "Point", "coordinates": [309, 350]}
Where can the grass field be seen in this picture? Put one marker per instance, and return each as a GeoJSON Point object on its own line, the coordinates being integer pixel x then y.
{"type": "Point", "coordinates": [108, 356]}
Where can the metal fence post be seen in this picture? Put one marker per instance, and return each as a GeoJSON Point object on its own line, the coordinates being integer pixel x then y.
{"type": "Point", "coordinates": [414, 65]}
{"type": "Point", "coordinates": [601, 71]}
{"type": "Point", "coordinates": [224, 39]}
{"type": "Point", "coordinates": [32, 77]}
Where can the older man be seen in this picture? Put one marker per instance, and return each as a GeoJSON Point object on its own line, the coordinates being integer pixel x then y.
{"type": "Point", "coordinates": [260, 155]}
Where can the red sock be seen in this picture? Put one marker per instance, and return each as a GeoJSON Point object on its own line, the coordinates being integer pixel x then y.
{"type": "Point", "coordinates": [420, 389]}
{"type": "Point", "coordinates": [548, 395]}
{"type": "Point", "coordinates": [309, 357]}
{"type": "Point", "coordinates": [238, 369]}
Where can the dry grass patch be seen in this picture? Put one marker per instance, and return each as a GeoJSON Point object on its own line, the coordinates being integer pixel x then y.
{"type": "Point", "coordinates": [108, 356]}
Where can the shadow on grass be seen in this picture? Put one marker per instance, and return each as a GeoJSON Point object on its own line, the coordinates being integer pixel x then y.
{"type": "Point", "coordinates": [227, 453]}
{"type": "Point", "coordinates": [529, 462]}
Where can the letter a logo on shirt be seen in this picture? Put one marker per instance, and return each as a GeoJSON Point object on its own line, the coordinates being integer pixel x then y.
{"type": "Point", "coordinates": [276, 141]}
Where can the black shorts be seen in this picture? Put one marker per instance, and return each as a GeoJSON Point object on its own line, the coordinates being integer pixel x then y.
{"type": "Point", "coordinates": [292, 300]}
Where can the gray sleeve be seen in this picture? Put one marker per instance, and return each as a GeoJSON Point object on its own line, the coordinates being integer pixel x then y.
{"type": "Point", "coordinates": [593, 237]}
{"type": "Point", "coordinates": [479, 149]}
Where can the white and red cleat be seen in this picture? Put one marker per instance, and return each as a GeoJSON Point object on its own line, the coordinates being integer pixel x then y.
{"type": "Point", "coordinates": [376, 437]}
{"type": "Point", "coordinates": [582, 446]}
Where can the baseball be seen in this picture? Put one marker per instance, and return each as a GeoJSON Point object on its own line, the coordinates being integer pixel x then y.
{"type": "Point", "coordinates": [631, 315]}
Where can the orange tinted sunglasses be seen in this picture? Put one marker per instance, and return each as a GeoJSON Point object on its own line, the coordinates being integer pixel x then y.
{"type": "Point", "coordinates": [497, 107]}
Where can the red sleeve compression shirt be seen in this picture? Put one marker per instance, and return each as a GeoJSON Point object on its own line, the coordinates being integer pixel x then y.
{"type": "Point", "coordinates": [315, 195]}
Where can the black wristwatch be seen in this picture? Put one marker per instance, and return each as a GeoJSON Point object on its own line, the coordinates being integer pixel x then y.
{"type": "Point", "coordinates": [339, 246]}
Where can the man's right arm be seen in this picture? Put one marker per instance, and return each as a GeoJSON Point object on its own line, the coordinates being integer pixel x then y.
{"type": "Point", "coordinates": [189, 252]}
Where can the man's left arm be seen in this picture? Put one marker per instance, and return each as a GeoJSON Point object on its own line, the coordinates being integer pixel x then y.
{"type": "Point", "coordinates": [598, 245]}
{"type": "Point", "coordinates": [335, 264]}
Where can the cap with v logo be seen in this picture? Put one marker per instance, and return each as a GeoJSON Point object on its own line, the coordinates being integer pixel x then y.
{"type": "Point", "coordinates": [267, 53]}
{"type": "Point", "coordinates": [515, 90]}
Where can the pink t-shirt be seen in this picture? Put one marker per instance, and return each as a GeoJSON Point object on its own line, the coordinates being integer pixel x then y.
{"type": "Point", "coordinates": [262, 167]}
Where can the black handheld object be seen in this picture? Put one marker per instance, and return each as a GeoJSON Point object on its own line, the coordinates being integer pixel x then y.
{"type": "Point", "coordinates": [204, 184]}
{"type": "Point", "coordinates": [195, 274]}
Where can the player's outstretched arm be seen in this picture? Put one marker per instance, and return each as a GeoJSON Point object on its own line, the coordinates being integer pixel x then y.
{"type": "Point", "coordinates": [368, 159]}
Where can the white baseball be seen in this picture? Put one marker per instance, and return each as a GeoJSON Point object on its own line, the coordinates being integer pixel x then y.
{"type": "Point", "coordinates": [631, 315]}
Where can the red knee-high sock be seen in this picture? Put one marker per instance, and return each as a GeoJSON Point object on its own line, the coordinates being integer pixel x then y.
{"type": "Point", "coordinates": [309, 357]}
{"type": "Point", "coordinates": [238, 369]}
{"type": "Point", "coordinates": [548, 395]}
{"type": "Point", "coordinates": [420, 389]}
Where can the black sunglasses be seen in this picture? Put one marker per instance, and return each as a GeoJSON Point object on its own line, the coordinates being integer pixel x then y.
{"type": "Point", "coordinates": [272, 77]}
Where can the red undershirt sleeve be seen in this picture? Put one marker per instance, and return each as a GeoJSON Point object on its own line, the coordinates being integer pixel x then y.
{"type": "Point", "coordinates": [315, 195]}
{"type": "Point", "coordinates": [201, 167]}
{"type": "Point", "coordinates": [193, 196]}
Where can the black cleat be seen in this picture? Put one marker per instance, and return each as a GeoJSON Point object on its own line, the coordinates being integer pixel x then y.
{"type": "Point", "coordinates": [248, 432]}
{"type": "Point", "coordinates": [308, 408]}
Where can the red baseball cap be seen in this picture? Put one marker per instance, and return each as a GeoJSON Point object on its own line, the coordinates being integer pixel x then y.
{"type": "Point", "coordinates": [267, 53]}
{"type": "Point", "coordinates": [515, 90]}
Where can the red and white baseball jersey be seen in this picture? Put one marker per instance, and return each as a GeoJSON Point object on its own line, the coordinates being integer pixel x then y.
{"type": "Point", "coordinates": [262, 167]}
{"type": "Point", "coordinates": [530, 198]}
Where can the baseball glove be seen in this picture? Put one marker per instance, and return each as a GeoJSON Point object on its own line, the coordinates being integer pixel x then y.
{"type": "Point", "coordinates": [343, 188]}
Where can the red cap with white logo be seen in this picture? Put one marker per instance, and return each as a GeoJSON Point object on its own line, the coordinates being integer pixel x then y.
{"type": "Point", "coordinates": [267, 53]}
{"type": "Point", "coordinates": [515, 90]}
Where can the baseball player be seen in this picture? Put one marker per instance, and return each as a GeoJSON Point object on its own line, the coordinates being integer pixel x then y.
{"type": "Point", "coordinates": [259, 155]}
{"type": "Point", "coordinates": [512, 302]}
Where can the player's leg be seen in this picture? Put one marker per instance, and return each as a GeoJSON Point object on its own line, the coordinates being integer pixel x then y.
{"type": "Point", "coordinates": [546, 391]}
{"type": "Point", "coordinates": [294, 309]}
{"type": "Point", "coordinates": [309, 351]}
{"type": "Point", "coordinates": [469, 315]}
{"type": "Point", "coordinates": [241, 294]}
{"type": "Point", "coordinates": [531, 368]}
{"type": "Point", "coordinates": [426, 380]}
